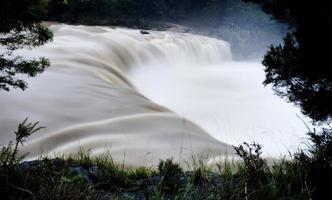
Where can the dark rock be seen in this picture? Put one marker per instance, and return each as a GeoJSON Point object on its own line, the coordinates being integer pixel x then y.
{"type": "Point", "coordinates": [94, 171]}
{"type": "Point", "coordinates": [30, 165]}
{"type": "Point", "coordinates": [82, 172]}
{"type": "Point", "coordinates": [143, 32]}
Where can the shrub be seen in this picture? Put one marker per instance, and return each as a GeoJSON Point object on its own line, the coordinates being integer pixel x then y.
{"type": "Point", "coordinates": [170, 173]}
{"type": "Point", "coordinates": [317, 161]}
{"type": "Point", "coordinates": [9, 153]}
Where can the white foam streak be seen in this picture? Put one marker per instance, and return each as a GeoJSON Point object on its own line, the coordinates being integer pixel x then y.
{"type": "Point", "coordinates": [97, 95]}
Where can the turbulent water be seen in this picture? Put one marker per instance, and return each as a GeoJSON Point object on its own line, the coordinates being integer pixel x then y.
{"type": "Point", "coordinates": [145, 97]}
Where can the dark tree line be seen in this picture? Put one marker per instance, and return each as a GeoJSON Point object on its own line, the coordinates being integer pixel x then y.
{"type": "Point", "coordinates": [118, 11]}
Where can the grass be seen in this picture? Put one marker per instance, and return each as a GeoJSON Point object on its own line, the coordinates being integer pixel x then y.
{"type": "Point", "coordinates": [84, 177]}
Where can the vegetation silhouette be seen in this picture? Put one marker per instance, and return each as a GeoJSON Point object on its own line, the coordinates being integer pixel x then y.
{"type": "Point", "coordinates": [20, 26]}
{"type": "Point", "coordinates": [299, 69]}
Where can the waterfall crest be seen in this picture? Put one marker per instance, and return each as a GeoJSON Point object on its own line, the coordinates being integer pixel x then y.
{"type": "Point", "coordinates": [148, 96]}
{"type": "Point", "coordinates": [87, 100]}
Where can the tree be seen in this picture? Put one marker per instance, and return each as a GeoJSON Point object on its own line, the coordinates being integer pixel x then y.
{"type": "Point", "coordinates": [299, 69]}
{"type": "Point", "coordinates": [20, 26]}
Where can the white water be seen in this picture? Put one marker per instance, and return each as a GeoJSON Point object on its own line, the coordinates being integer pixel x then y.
{"type": "Point", "coordinates": [116, 89]}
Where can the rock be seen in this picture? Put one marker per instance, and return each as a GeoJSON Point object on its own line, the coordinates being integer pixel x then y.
{"type": "Point", "coordinates": [29, 165]}
{"type": "Point", "coordinates": [82, 172]}
{"type": "Point", "coordinates": [143, 32]}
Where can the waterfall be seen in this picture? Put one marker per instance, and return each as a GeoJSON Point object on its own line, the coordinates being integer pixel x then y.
{"type": "Point", "coordinates": [146, 96]}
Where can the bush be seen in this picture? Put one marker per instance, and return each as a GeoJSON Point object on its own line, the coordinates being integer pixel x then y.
{"type": "Point", "coordinates": [9, 153]}
{"type": "Point", "coordinates": [317, 161]}
{"type": "Point", "coordinates": [255, 172]}
{"type": "Point", "coordinates": [170, 173]}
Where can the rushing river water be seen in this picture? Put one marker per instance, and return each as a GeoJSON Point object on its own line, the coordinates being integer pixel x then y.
{"type": "Point", "coordinates": [144, 97]}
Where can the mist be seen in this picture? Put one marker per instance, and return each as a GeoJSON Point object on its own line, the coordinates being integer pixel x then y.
{"type": "Point", "coordinates": [245, 26]}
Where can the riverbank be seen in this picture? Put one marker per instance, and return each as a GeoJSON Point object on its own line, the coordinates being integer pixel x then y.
{"type": "Point", "coordinates": [305, 176]}
{"type": "Point", "coordinates": [84, 177]}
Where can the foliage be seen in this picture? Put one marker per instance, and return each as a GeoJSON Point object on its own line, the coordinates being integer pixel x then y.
{"type": "Point", "coordinates": [251, 155]}
{"type": "Point", "coordinates": [49, 179]}
{"type": "Point", "coordinates": [254, 171]}
{"type": "Point", "coordinates": [9, 153]}
{"type": "Point", "coordinates": [135, 10]}
{"type": "Point", "coordinates": [317, 161]}
{"type": "Point", "coordinates": [83, 177]}
{"type": "Point", "coordinates": [20, 26]}
{"type": "Point", "coordinates": [282, 180]}
{"type": "Point", "coordinates": [298, 69]}
{"type": "Point", "coordinates": [65, 179]}
{"type": "Point", "coordinates": [170, 176]}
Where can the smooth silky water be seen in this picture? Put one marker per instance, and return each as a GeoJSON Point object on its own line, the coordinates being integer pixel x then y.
{"type": "Point", "coordinates": [147, 97]}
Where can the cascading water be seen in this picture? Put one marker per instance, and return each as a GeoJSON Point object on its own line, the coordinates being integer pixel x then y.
{"type": "Point", "coordinates": [106, 89]}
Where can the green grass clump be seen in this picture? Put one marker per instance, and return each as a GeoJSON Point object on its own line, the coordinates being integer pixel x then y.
{"type": "Point", "coordinates": [306, 176]}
